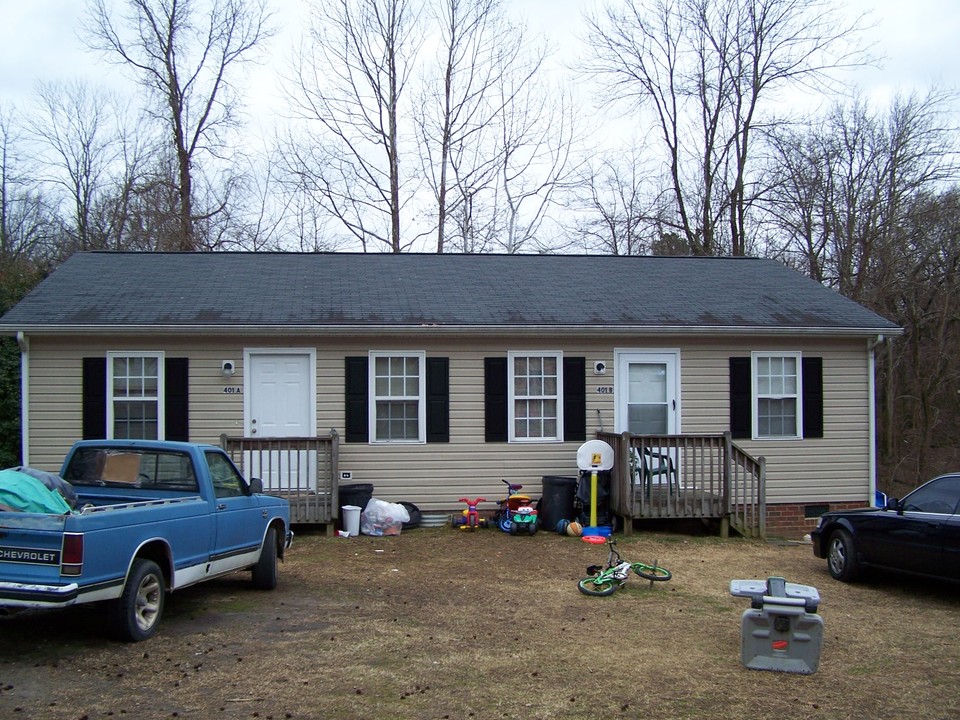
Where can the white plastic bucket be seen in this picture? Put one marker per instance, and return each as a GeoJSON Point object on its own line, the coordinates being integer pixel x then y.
{"type": "Point", "coordinates": [351, 519]}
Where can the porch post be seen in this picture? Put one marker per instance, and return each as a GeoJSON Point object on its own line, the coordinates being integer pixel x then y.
{"type": "Point", "coordinates": [727, 470]}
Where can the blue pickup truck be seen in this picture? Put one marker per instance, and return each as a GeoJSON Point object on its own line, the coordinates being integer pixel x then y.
{"type": "Point", "coordinates": [149, 517]}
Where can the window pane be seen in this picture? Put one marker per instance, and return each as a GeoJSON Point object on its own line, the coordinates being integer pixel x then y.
{"type": "Point", "coordinates": [777, 418]}
{"type": "Point", "coordinates": [135, 420]}
{"type": "Point", "coordinates": [397, 421]}
{"type": "Point", "coordinates": [647, 419]}
{"type": "Point", "coordinates": [412, 387]}
{"type": "Point", "coordinates": [939, 496]}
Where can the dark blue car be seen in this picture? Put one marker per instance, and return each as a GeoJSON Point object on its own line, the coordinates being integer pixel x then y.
{"type": "Point", "coordinates": [919, 534]}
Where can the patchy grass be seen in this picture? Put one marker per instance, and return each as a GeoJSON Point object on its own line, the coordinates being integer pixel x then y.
{"type": "Point", "coordinates": [445, 624]}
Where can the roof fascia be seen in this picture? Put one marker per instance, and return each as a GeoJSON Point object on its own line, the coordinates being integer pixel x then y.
{"type": "Point", "coordinates": [401, 330]}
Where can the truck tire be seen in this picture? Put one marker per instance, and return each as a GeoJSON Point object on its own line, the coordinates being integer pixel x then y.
{"type": "Point", "coordinates": [265, 571]}
{"type": "Point", "coordinates": [137, 612]}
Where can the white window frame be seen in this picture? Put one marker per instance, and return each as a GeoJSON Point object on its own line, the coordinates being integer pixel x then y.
{"type": "Point", "coordinates": [421, 398]}
{"type": "Point", "coordinates": [757, 396]}
{"type": "Point", "coordinates": [512, 356]}
{"type": "Point", "coordinates": [161, 389]}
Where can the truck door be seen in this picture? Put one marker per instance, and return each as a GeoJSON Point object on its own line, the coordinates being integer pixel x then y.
{"type": "Point", "coordinates": [240, 524]}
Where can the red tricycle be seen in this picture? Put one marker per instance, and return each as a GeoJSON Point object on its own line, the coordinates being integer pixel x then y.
{"type": "Point", "coordinates": [470, 519]}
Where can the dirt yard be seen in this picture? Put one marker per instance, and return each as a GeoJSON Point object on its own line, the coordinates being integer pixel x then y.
{"type": "Point", "coordinates": [438, 623]}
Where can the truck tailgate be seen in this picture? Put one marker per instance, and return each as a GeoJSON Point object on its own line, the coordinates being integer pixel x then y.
{"type": "Point", "coordinates": [31, 548]}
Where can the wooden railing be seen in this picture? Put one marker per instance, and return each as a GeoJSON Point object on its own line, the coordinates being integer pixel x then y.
{"type": "Point", "coordinates": [303, 470]}
{"type": "Point", "coordinates": [687, 476]}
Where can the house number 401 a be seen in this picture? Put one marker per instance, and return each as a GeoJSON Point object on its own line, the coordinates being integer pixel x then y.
{"type": "Point", "coordinates": [233, 391]}
{"type": "Point", "coordinates": [604, 390]}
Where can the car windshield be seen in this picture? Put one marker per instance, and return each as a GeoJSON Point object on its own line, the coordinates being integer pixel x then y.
{"type": "Point", "coordinates": [937, 496]}
{"type": "Point", "coordinates": [166, 470]}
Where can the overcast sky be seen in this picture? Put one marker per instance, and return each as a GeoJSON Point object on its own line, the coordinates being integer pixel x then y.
{"type": "Point", "coordinates": [38, 42]}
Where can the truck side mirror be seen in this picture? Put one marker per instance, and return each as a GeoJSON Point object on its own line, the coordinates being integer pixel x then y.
{"type": "Point", "coordinates": [256, 486]}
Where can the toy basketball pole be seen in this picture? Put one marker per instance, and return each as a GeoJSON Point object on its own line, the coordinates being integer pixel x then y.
{"type": "Point", "coordinates": [595, 455]}
{"type": "Point", "coordinates": [593, 494]}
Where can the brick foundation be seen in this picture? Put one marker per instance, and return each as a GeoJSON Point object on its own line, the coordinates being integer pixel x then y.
{"type": "Point", "coordinates": [790, 521]}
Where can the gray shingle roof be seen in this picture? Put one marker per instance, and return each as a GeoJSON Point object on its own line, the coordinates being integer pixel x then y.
{"type": "Point", "coordinates": [273, 291]}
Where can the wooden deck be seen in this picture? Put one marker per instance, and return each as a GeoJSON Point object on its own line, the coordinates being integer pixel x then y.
{"type": "Point", "coordinates": [302, 470]}
{"type": "Point", "coordinates": [687, 476]}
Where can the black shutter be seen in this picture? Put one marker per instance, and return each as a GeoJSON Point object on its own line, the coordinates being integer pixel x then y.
{"type": "Point", "coordinates": [741, 402]}
{"type": "Point", "coordinates": [438, 399]}
{"type": "Point", "coordinates": [495, 399]}
{"type": "Point", "coordinates": [176, 408]}
{"type": "Point", "coordinates": [355, 397]}
{"type": "Point", "coordinates": [94, 422]}
{"type": "Point", "coordinates": [812, 370]}
{"type": "Point", "coordinates": [575, 398]}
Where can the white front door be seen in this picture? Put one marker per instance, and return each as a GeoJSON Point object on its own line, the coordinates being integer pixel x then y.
{"type": "Point", "coordinates": [280, 394]}
{"type": "Point", "coordinates": [647, 392]}
{"type": "Point", "coordinates": [647, 387]}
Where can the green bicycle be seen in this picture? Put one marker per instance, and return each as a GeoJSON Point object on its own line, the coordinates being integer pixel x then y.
{"type": "Point", "coordinates": [607, 580]}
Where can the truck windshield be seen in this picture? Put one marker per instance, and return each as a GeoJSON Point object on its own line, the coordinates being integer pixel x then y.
{"type": "Point", "coordinates": [160, 469]}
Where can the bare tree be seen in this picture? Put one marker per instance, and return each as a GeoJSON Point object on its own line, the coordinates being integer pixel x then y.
{"type": "Point", "coordinates": [185, 52]}
{"type": "Point", "coordinates": [350, 83]}
{"type": "Point", "coordinates": [840, 188]}
{"type": "Point", "coordinates": [28, 226]}
{"type": "Point", "coordinates": [616, 214]}
{"type": "Point", "coordinates": [136, 147]}
{"type": "Point", "coordinates": [535, 157]}
{"type": "Point", "coordinates": [706, 70]}
{"type": "Point", "coordinates": [76, 132]}
{"type": "Point", "coordinates": [461, 105]}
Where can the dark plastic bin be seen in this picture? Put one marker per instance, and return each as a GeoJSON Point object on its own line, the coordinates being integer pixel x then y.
{"type": "Point", "coordinates": [357, 494]}
{"type": "Point", "coordinates": [415, 516]}
{"type": "Point", "coordinates": [556, 501]}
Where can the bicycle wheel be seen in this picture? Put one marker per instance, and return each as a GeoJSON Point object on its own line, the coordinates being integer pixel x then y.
{"type": "Point", "coordinates": [651, 572]}
{"type": "Point", "coordinates": [598, 586]}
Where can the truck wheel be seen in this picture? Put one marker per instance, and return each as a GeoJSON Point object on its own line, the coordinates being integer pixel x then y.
{"type": "Point", "coordinates": [137, 611]}
{"type": "Point", "coordinates": [265, 571]}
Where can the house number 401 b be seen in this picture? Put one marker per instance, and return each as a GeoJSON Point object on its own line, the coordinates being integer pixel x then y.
{"type": "Point", "coordinates": [232, 390]}
{"type": "Point", "coordinates": [604, 390]}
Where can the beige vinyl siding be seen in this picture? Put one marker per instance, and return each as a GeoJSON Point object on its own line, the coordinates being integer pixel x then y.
{"type": "Point", "coordinates": [829, 469]}
{"type": "Point", "coordinates": [434, 475]}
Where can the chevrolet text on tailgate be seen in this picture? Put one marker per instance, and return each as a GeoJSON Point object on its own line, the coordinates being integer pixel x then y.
{"type": "Point", "coordinates": [149, 517]}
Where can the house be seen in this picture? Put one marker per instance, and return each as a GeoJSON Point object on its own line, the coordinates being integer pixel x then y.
{"type": "Point", "coordinates": [441, 375]}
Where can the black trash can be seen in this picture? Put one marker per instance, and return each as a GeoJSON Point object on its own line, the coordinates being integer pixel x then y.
{"type": "Point", "coordinates": [357, 494]}
{"type": "Point", "coordinates": [556, 501]}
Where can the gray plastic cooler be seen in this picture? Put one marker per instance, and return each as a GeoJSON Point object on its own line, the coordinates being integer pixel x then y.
{"type": "Point", "coordinates": [782, 630]}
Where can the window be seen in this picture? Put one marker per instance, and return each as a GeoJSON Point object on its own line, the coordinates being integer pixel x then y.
{"type": "Point", "coordinates": [397, 397]}
{"type": "Point", "coordinates": [937, 496]}
{"type": "Point", "coordinates": [227, 482]}
{"type": "Point", "coordinates": [776, 377]}
{"type": "Point", "coordinates": [134, 392]}
{"type": "Point", "coordinates": [535, 381]}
